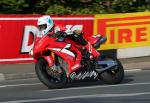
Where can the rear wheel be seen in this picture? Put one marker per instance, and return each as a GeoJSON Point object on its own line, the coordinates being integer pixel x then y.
{"type": "Point", "coordinates": [115, 75]}
{"type": "Point", "coordinates": [53, 77]}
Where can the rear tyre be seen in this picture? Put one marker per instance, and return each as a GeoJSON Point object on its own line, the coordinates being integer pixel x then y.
{"type": "Point", "coordinates": [47, 79]}
{"type": "Point", "coordinates": [114, 76]}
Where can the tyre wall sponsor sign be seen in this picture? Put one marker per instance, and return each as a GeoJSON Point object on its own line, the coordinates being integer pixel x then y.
{"type": "Point", "coordinates": [17, 34]}
{"type": "Point", "coordinates": [124, 30]}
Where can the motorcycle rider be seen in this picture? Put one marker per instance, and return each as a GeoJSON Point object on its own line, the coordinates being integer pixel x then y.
{"type": "Point", "coordinates": [47, 26]}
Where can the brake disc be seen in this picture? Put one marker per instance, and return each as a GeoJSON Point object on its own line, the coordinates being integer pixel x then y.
{"type": "Point", "coordinates": [54, 71]}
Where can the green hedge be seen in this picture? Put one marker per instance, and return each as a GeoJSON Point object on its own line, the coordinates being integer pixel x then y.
{"type": "Point", "coordinates": [72, 6]}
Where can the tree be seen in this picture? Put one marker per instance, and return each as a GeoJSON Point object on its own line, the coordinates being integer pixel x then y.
{"type": "Point", "coordinates": [72, 6]}
{"type": "Point", "coordinates": [12, 6]}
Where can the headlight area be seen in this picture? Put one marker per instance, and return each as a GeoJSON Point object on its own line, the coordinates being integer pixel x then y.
{"type": "Point", "coordinates": [42, 53]}
{"type": "Point", "coordinates": [31, 52]}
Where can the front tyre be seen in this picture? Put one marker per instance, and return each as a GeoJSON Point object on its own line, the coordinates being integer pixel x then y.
{"type": "Point", "coordinates": [51, 81]}
{"type": "Point", "coordinates": [115, 75]}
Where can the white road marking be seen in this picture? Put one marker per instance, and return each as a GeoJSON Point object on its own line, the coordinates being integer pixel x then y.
{"type": "Point", "coordinates": [2, 77]}
{"type": "Point", "coordinates": [133, 70]}
{"type": "Point", "coordinates": [81, 96]}
{"type": "Point", "coordinates": [99, 86]}
{"type": "Point", "coordinates": [15, 80]}
{"type": "Point", "coordinates": [16, 85]}
{"type": "Point", "coordinates": [76, 88]}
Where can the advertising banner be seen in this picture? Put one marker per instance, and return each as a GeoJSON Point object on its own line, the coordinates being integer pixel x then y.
{"type": "Point", "coordinates": [17, 34]}
{"type": "Point", "coordinates": [124, 30]}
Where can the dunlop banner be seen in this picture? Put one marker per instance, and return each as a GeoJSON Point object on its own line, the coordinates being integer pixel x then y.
{"type": "Point", "coordinates": [124, 30]}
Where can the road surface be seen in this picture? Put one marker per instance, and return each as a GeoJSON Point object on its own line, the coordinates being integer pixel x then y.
{"type": "Point", "coordinates": [134, 89]}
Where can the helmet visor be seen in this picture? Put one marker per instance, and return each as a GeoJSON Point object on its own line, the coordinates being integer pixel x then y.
{"type": "Point", "coordinates": [42, 27]}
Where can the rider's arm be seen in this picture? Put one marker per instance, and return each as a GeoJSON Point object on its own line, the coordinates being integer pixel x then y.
{"type": "Point", "coordinates": [61, 30]}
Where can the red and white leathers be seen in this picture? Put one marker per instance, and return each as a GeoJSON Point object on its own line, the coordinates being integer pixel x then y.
{"type": "Point", "coordinates": [60, 28]}
{"type": "Point", "coordinates": [94, 53]}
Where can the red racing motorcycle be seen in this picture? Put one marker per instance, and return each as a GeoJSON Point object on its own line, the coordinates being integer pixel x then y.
{"type": "Point", "coordinates": [59, 61]}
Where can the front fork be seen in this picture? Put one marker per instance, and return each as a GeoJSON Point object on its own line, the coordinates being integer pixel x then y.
{"type": "Point", "coordinates": [50, 60]}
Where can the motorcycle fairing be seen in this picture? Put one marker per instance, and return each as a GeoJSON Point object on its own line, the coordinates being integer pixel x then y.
{"type": "Point", "coordinates": [62, 49]}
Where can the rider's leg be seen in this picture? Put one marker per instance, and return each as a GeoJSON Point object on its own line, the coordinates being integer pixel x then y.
{"type": "Point", "coordinates": [79, 39]}
{"type": "Point", "coordinates": [92, 50]}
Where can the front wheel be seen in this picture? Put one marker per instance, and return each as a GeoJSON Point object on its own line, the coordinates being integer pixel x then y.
{"type": "Point", "coordinates": [114, 75]}
{"type": "Point", "coordinates": [50, 76]}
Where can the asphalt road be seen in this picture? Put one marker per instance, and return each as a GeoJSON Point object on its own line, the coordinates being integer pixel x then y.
{"type": "Point", "coordinates": [134, 89]}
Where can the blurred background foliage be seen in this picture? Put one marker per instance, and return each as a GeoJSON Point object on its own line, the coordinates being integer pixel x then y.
{"type": "Point", "coordinates": [72, 6]}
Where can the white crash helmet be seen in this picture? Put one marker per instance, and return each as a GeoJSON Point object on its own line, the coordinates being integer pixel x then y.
{"type": "Point", "coordinates": [45, 24]}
